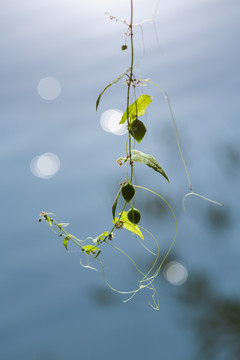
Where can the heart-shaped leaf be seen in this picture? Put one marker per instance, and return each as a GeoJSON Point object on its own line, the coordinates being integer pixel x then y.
{"type": "Point", "coordinates": [138, 108]}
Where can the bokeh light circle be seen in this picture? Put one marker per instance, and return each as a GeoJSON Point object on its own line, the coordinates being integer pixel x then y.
{"type": "Point", "coordinates": [49, 88]}
{"type": "Point", "coordinates": [109, 121]}
{"type": "Point", "coordinates": [45, 166]}
{"type": "Point", "coordinates": [176, 273]}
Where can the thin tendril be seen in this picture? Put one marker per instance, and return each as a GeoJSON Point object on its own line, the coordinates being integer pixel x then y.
{"type": "Point", "coordinates": [88, 265]}
{"type": "Point", "coordinates": [175, 128]}
{"type": "Point", "coordinates": [201, 196]}
{"type": "Point", "coordinates": [175, 235]}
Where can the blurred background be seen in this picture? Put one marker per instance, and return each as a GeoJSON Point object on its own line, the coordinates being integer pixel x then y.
{"type": "Point", "coordinates": [56, 155]}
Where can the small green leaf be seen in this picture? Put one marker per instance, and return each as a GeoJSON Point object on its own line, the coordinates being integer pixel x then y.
{"type": "Point", "coordinates": [48, 220]}
{"type": "Point", "coordinates": [148, 160]}
{"type": "Point", "coordinates": [128, 225]}
{"type": "Point", "coordinates": [99, 238]}
{"type": "Point", "coordinates": [103, 235]}
{"type": "Point", "coordinates": [137, 129]}
{"type": "Point", "coordinates": [114, 205]}
{"type": "Point", "coordinates": [98, 253]}
{"type": "Point", "coordinates": [124, 47]}
{"type": "Point", "coordinates": [138, 108]}
{"type": "Point", "coordinates": [65, 241]}
{"type": "Point", "coordinates": [113, 82]}
{"type": "Point", "coordinates": [128, 192]}
{"type": "Point", "coordinates": [90, 249]}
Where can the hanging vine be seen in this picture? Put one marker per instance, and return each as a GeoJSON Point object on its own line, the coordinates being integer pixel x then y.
{"type": "Point", "coordinates": [128, 217]}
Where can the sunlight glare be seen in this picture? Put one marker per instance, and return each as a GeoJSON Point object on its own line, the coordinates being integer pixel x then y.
{"type": "Point", "coordinates": [49, 88]}
{"type": "Point", "coordinates": [45, 166]}
{"type": "Point", "coordinates": [109, 121]}
{"type": "Point", "coordinates": [176, 273]}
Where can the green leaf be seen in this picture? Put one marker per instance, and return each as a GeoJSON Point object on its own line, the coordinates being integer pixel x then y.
{"type": "Point", "coordinates": [98, 253]}
{"type": "Point", "coordinates": [137, 129]}
{"type": "Point", "coordinates": [90, 249]}
{"type": "Point", "coordinates": [148, 160]}
{"type": "Point", "coordinates": [113, 82]}
{"type": "Point", "coordinates": [128, 225]}
{"type": "Point", "coordinates": [103, 235]}
{"type": "Point", "coordinates": [48, 220]}
{"type": "Point", "coordinates": [124, 47]}
{"type": "Point", "coordinates": [65, 241]}
{"type": "Point", "coordinates": [99, 238]}
{"type": "Point", "coordinates": [114, 205]}
{"type": "Point", "coordinates": [138, 108]}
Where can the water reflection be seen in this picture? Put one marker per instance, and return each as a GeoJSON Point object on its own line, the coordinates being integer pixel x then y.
{"type": "Point", "coordinates": [103, 296]}
{"type": "Point", "coordinates": [233, 157]}
{"type": "Point", "coordinates": [214, 319]}
{"type": "Point", "coordinates": [156, 207]}
{"type": "Point", "coordinates": [47, 356]}
{"type": "Point", "coordinates": [219, 218]}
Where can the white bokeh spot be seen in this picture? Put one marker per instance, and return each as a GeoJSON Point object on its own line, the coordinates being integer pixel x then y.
{"type": "Point", "coordinates": [176, 273]}
{"type": "Point", "coordinates": [49, 88]}
{"type": "Point", "coordinates": [109, 121]}
{"type": "Point", "coordinates": [45, 166]}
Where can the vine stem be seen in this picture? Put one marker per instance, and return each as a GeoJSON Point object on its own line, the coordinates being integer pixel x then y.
{"type": "Point", "coordinates": [129, 87]}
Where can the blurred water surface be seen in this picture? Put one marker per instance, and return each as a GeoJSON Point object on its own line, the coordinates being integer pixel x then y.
{"type": "Point", "coordinates": [52, 308]}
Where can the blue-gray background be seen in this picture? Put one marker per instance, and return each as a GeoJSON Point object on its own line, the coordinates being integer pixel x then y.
{"type": "Point", "coordinates": [52, 308]}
